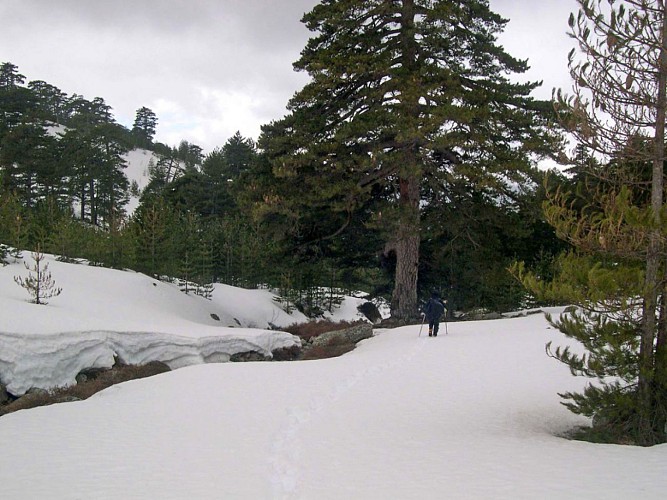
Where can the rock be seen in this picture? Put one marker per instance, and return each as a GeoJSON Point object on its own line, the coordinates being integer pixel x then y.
{"type": "Point", "coordinates": [392, 322]}
{"type": "Point", "coordinates": [371, 312]}
{"type": "Point", "coordinates": [481, 315]}
{"type": "Point", "coordinates": [215, 317]}
{"type": "Point", "coordinates": [36, 391]}
{"type": "Point", "coordinates": [89, 374]}
{"type": "Point", "coordinates": [65, 399]}
{"type": "Point", "coordinates": [156, 367]}
{"type": "Point", "coordinates": [350, 335]}
{"type": "Point", "coordinates": [248, 356]}
{"type": "Point", "coordinates": [4, 396]}
{"type": "Point", "coordinates": [286, 353]}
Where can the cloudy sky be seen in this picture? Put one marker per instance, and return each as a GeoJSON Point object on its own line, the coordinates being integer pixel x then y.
{"type": "Point", "coordinates": [208, 68]}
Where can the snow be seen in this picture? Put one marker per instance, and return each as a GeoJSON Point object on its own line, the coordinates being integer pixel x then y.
{"type": "Point", "coordinates": [471, 414]}
{"type": "Point", "coordinates": [104, 312]}
{"type": "Point", "coordinates": [138, 160]}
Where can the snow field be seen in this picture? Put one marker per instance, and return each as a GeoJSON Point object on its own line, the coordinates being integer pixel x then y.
{"type": "Point", "coordinates": [469, 415]}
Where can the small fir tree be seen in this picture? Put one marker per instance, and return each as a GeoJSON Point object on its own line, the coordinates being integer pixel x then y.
{"type": "Point", "coordinates": [205, 290]}
{"type": "Point", "coordinates": [205, 268]}
{"type": "Point", "coordinates": [186, 272]}
{"type": "Point", "coordinates": [39, 283]}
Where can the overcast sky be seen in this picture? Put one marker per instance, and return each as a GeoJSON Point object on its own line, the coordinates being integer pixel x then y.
{"type": "Point", "coordinates": [208, 68]}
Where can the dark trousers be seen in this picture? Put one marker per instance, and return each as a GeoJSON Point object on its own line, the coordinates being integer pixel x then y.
{"type": "Point", "coordinates": [434, 325]}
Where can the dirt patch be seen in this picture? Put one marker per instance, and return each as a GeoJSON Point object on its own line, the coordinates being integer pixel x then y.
{"type": "Point", "coordinates": [93, 382]}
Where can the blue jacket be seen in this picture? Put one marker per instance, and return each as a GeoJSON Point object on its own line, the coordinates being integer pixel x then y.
{"type": "Point", "coordinates": [434, 309]}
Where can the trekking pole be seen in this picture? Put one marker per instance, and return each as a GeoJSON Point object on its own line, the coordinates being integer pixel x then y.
{"type": "Point", "coordinates": [422, 325]}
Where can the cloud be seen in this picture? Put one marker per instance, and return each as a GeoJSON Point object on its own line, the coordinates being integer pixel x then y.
{"type": "Point", "coordinates": [208, 68]}
{"type": "Point", "coordinates": [223, 65]}
{"type": "Point", "coordinates": [538, 34]}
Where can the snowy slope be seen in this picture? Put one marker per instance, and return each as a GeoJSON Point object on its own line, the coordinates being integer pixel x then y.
{"type": "Point", "coordinates": [103, 312]}
{"type": "Point", "coordinates": [138, 161]}
{"type": "Point", "coordinates": [469, 415]}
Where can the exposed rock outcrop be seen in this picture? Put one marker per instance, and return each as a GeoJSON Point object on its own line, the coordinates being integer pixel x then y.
{"type": "Point", "coordinates": [350, 335]}
{"type": "Point", "coordinates": [371, 312]}
{"type": "Point", "coordinates": [248, 356]}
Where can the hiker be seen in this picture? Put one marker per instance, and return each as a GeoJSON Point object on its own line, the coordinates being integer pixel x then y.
{"type": "Point", "coordinates": [433, 310]}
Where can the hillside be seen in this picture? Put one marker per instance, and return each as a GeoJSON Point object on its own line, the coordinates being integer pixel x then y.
{"type": "Point", "coordinates": [138, 161]}
{"type": "Point", "coordinates": [102, 313]}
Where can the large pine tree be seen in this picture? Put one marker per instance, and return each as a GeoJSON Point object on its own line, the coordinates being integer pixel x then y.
{"type": "Point", "coordinates": [402, 94]}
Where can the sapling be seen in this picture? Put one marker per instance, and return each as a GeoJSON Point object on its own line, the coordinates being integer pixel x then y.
{"type": "Point", "coordinates": [39, 283]}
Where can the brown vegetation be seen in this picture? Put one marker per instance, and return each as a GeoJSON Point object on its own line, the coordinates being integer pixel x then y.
{"type": "Point", "coordinates": [102, 379]}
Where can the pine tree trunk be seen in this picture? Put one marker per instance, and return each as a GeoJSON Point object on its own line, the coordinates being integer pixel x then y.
{"type": "Point", "coordinates": [407, 238]}
{"type": "Point", "coordinates": [406, 246]}
{"type": "Point", "coordinates": [653, 260]}
{"type": "Point", "coordinates": [83, 202]}
{"type": "Point", "coordinates": [93, 203]}
{"type": "Point", "coordinates": [660, 394]}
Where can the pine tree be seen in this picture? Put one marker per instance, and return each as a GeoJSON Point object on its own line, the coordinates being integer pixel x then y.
{"type": "Point", "coordinates": [227, 171]}
{"type": "Point", "coordinates": [4, 226]}
{"type": "Point", "coordinates": [402, 93]}
{"type": "Point", "coordinates": [617, 276]}
{"type": "Point", "coordinates": [52, 102]}
{"type": "Point", "coordinates": [94, 154]}
{"type": "Point", "coordinates": [145, 123]}
{"type": "Point", "coordinates": [188, 240]}
{"type": "Point", "coordinates": [120, 251]}
{"type": "Point", "coordinates": [30, 155]}
{"type": "Point", "coordinates": [10, 76]}
{"type": "Point", "coordinates": [190, 154]}
{"type": "Point", "coordinates": [239, 154]}
{"type": "Point", "coordinates": [67, 239]}
{"type": "Point", "coordinates": [186, 273]}
{"type": "Point", "coordinates": [155, 228]}
{"type": "Point", "coordinates": [39, 283]}
{"type": "Point", "coordinates": [13, 224]}
{"type": "Point", "coordinates": [205, 266]}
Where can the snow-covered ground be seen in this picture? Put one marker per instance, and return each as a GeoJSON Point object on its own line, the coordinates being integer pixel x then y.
{"type": "Point", "coordinates": [104, 312]}
{"type": "Point", "coordinates": [470, 414]}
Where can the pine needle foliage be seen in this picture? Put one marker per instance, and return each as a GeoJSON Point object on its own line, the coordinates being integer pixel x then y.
{"type": "Point", "coordinates": [402, 94]}
{"type": "Point", "coordinates": [615, 218]}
